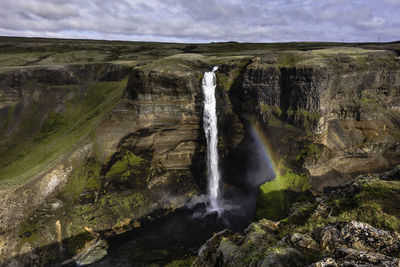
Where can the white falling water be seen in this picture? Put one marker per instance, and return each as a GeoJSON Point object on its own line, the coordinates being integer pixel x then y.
{"type": "Point", "coordinates": [211, 132]}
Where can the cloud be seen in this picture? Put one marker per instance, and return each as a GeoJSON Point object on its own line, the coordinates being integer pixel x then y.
{"type": "Point", "coordinates": [203, 20]}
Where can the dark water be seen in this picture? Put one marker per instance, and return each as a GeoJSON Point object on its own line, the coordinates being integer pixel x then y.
{"type": "Point", "coordinates": [181, 233]}
{"type": "Point", "coordinates": [176, 236]}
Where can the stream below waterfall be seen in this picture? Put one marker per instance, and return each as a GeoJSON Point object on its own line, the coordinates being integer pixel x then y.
{"type": "Point", "coordinates": [181, 233]}
{"type": "Point", "coordinates": [177, 235]}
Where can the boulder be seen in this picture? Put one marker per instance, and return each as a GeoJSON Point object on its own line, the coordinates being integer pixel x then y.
{"type": "Point", "coordinates": [327, 262]}
{"type": "Point", "coordinates": [283, 257]}
{"type": "Point", "coordinates": [352, 257]}
{"type": "Point", "coordinates": [357, 235]}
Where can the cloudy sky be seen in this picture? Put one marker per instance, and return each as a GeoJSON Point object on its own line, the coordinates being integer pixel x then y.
{"type": "Point", "coordinates": [204, 20]}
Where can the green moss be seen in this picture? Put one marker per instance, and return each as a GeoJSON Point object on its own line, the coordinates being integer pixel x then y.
{"type": "Point", "coordinates": [289, 59]}
{"type": "Point", "coordinates": [130, 165]}
{"type": "Point", "coordinates": [84, 176]}
{"type": "Point", "coordinates": [84, 216]}
{"type": "Point", "coordinates": [308, 152]}
{"type": "Point", "coordinates": [11, 110]}
{"type": "Point", "coordinates": [53, 122]}
{"type": "Point", "coordinates": [31, 230]}
{"type": "Point", "coordinates": [375, 204]}
{"type": "Point", "coordinates": [271, 110]}
{"type": "Point", "coordinates": [304, 119]}
{"type": "Point", "coordinates": [224, 81]}
{"type": "Point", "coordinates": [111, 211]}
{"type": "Point", "coordinates": [227, 78]}
{"type": "Point", "coordinates": [365, 100]}
{"type": "Point", "coordinates": [372, 213]}
{"type": "Point", "coordinates": [182, 263]}
{"type": "Point", "coordinates": [60, 133]}
{"type": "Point", "coordinates": [179, 176]}
{"type": "Point", "coordinates": [277, 196]}
{"type": "Point", "coordinates": [277, 123]}
{"type": "Point", "coordinates": [124, 204]}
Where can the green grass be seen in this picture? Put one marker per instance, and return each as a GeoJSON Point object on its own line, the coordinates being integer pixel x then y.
{"type": "Point", "coordinates": [366, 100]}
{"type": "Point", "coordinates": [375, 204]}
{"type": "Point", "coordinates": [307, 152]}
{"type": "Point", "coordinates": [182, 263]}
{"type": "Point", "coordinates": [124, 206]}
{"type": "Point", "coordinates": [6, 122]}
{"type": "Point", "coordinates": [60, 133]}
{"type": "Point", "coordinates": [271, 110]}
{"type": "Point", "coordinates": [16, 51]}
{"type": "Point", "coordinates": [84, 176]}
{"type": "Point", "coordinates": [277, 196]}
{"type": "Point", "coordinates": [129, 166]}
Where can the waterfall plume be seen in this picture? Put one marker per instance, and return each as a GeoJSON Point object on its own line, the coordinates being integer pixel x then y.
{"type": "Point", "coordinates": [211, 133]}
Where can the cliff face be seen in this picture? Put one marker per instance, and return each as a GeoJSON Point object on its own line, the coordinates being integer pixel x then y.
{"type": "Point", "coordinates": [89, 151]}
{"type": "Point", "coordinates": [345, 110]}
{"type": "Point", "coordinates": [165, 111]}
{"type": "Point", "coordinates": [145, 154]}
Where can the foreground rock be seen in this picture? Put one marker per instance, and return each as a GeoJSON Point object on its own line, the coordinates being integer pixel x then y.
{"type": "Point", "coordinates": [357, 235]}
{"type": "Point", "coordinates": [91, 149]}
{"type": "Point", "coordinates": [300, 240]}
{"type": "Point", "coordinates": [340, 244]}
{"type": "Point", "coordinates": [91, 253]}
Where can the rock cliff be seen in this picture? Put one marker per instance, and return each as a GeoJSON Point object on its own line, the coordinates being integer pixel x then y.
{"type": "Point", "coordinates": [324, 233]}
{"type": "Point", "coordinates": [347, 102]}
{"type": "Point", "coordinates": [89, 150]}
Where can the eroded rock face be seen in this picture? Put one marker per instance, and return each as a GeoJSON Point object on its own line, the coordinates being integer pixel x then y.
{"type": "Point", "coordinates": [164, 109]}
{"type": "Point", "coordinates": [358, 235]}
{"type": "Point", "coordinates": [145, 155]}
{"type": "Point", "coordinates": [350, 112]}
{"type": "Point", "coordinates": [144, 152]}
{"type": "Point", "coordinates": [352, 257]}
{"type": "Point", "coordinates": [36, 105]}
{"type": "Point", "coordinates": [343, 244]}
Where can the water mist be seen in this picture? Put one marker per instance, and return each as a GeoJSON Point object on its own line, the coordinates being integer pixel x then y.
{"type": "Point", "coordinates": [211, 133]}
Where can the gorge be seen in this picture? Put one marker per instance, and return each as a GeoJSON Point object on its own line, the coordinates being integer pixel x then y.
{"type": "Point", "coordinates": [104, 151]}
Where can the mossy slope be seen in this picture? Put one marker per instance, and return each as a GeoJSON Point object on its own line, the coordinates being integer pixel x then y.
{"type": "Point", "coordinates": [42, 131]}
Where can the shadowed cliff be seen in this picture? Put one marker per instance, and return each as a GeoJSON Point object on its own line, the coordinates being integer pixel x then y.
{"type": "Point", "coordinates": [98, 135]}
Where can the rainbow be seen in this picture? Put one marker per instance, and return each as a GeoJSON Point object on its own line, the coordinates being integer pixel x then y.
{"type": "Point", "coordinates": [268, 151]}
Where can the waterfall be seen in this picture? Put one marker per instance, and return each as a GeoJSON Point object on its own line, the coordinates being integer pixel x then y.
{"type": "Point", "coordinates": [211, 132]}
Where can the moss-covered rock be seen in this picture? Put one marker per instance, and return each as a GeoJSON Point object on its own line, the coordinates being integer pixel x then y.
{"type": "Point", "coordinates": [277, 196]}
{"type": "Point", "coordinates": [315, 232]}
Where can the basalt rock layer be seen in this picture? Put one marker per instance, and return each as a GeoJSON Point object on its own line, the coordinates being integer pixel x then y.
{"type": "Point", "coordinates": [143, 155]}
{"type": "Point", "coordinates": [89, 150]}
{"type": "Point", "coordinates": [345, 107]}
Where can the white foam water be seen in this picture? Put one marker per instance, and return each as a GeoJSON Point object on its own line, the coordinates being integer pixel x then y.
{"type": "Point", "coordinates": [211, 132]}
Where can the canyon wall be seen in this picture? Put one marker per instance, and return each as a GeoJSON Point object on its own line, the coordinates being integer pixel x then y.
{"type": "Point", "coordinates": [91, 150]}
{"type": "Point", "coordinates": [344, 112]}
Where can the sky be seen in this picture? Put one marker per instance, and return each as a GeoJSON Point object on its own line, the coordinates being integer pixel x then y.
{"type": "Point", "coordinates": [204, 20]}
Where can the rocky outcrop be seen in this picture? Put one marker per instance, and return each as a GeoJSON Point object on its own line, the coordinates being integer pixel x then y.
{"type": "Point", "coordinates": [143, 157]}
{"type": "Point", "coordinates": [89, 151]}
{"type": "Point", "coordinates": [345, 257]}
{"type": "Point", "coordinates": [45, 114]}
{"type": "Point", "coordinates": [340, 244]}
{"type": "Point", "coordinates": [164, 109]}
{"type": "Point", "coordinates": [357, 235]}
{"type": "Point", "coordinates": [346, 106]}
{"type": "Point", "coordinates": [317, 234]}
